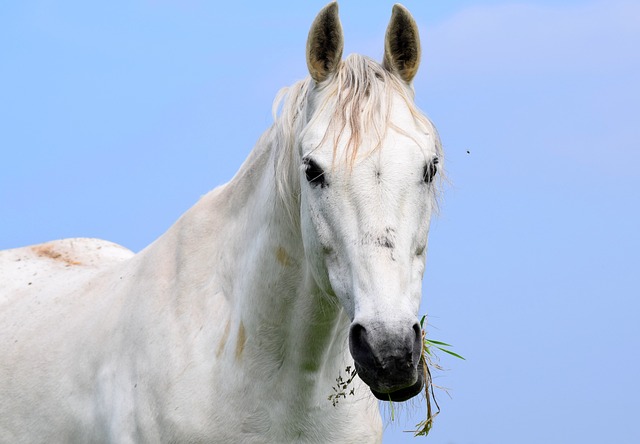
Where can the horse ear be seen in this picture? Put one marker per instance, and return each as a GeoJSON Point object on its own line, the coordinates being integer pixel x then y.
{"type": "Point", "coordinates": [325, 43]}
{"type": "Point", "coordinates": [402, 44]}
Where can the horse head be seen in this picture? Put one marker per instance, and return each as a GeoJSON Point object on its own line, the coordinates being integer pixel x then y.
{"type": "Point", "coordinates": [368, 164]}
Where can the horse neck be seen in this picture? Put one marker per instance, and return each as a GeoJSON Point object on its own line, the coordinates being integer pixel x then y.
{"type": "Point", "coordinates": [238, 244]}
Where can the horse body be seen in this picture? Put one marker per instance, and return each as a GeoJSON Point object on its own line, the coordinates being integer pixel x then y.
{"type": "Point", "coordinates": [233, 325]}
{"type": "Point", "coordinates": [166, 346]}
{"type": "Point", "coordinates": [133, 352]}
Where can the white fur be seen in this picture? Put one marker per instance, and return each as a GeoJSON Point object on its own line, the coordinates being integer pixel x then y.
{"type": "Point", "coordinates": [232, 326]}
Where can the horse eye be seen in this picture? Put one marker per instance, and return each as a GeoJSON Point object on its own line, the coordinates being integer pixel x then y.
{"type": "Point", "coordinates": [430, 171]}
{"type": "Point", "coordinates": [315, 174]}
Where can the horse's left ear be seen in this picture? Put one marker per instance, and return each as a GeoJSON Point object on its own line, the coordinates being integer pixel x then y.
{"type": "Point", "coordinates": [325, 43]}
{"type": "Point", "coordinates": [402, 44]}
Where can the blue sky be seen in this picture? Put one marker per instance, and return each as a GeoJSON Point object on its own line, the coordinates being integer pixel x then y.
{"type": "Point", "coordinates": [116, 117]}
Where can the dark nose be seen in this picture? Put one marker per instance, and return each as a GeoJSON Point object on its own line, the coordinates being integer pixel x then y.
{"type": "Point", "coordinates": [386, 358]}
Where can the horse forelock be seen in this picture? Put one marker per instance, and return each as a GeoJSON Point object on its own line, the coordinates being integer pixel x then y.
{"type": "Point", "coordinates": [358, 98]}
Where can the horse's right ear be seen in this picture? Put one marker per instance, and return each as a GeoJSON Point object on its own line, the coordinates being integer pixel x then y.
{"type": "Point", "coordinates": [325, 43]}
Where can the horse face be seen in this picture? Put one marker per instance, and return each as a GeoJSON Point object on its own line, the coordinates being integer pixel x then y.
{"type": "Point", "coordinates": [365, 227]}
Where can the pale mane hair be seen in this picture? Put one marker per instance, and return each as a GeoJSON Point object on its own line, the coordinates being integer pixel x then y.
{"type": "Point", "coordinates": [360, 93]}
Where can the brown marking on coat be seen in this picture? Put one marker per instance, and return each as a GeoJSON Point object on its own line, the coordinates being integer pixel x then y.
{"type": "Point", "coordinates": [242, 338]}
{"type": "Point", "coordinates": [48, 251]}
{"type": "Point", "coordinates": [283, 257]}
{"type": "Point", "coordinates": [223, 339]}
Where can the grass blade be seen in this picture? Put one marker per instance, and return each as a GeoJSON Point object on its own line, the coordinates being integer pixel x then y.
{"type": "Point", "coordinates": [451, 353]}
{"type": "Point", "coordinates": [431, 341]}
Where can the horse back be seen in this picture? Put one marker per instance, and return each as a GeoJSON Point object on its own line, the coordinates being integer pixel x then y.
{"type": "Point", "coordinates": [31, 270]}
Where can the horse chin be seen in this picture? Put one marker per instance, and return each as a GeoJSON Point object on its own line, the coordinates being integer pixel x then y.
{"type": "Point", "coordinates": [402, 394]}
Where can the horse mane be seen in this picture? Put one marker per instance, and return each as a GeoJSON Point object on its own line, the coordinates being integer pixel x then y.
{"type": "Point", "coordinates": [360, 93]}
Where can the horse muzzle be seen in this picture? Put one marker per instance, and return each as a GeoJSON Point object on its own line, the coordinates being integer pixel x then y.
{"type": "Point", "coordinates": [388, 360]}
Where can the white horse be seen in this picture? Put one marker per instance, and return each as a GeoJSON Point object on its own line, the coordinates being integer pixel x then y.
{"type": "Point", "coordinates": [233, 326]}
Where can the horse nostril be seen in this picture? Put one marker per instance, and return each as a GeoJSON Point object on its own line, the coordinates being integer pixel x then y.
{"type": "Point", "coordinates": [357, 330]}
{"type": "Point", "coordinates": [357, 337]}
{"type": "Point", "coordinates": [359, 345]}
{"type": "Point", "coordinates": [417, 345]}
{"type": "Point", "coordinates": [418, 331]}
